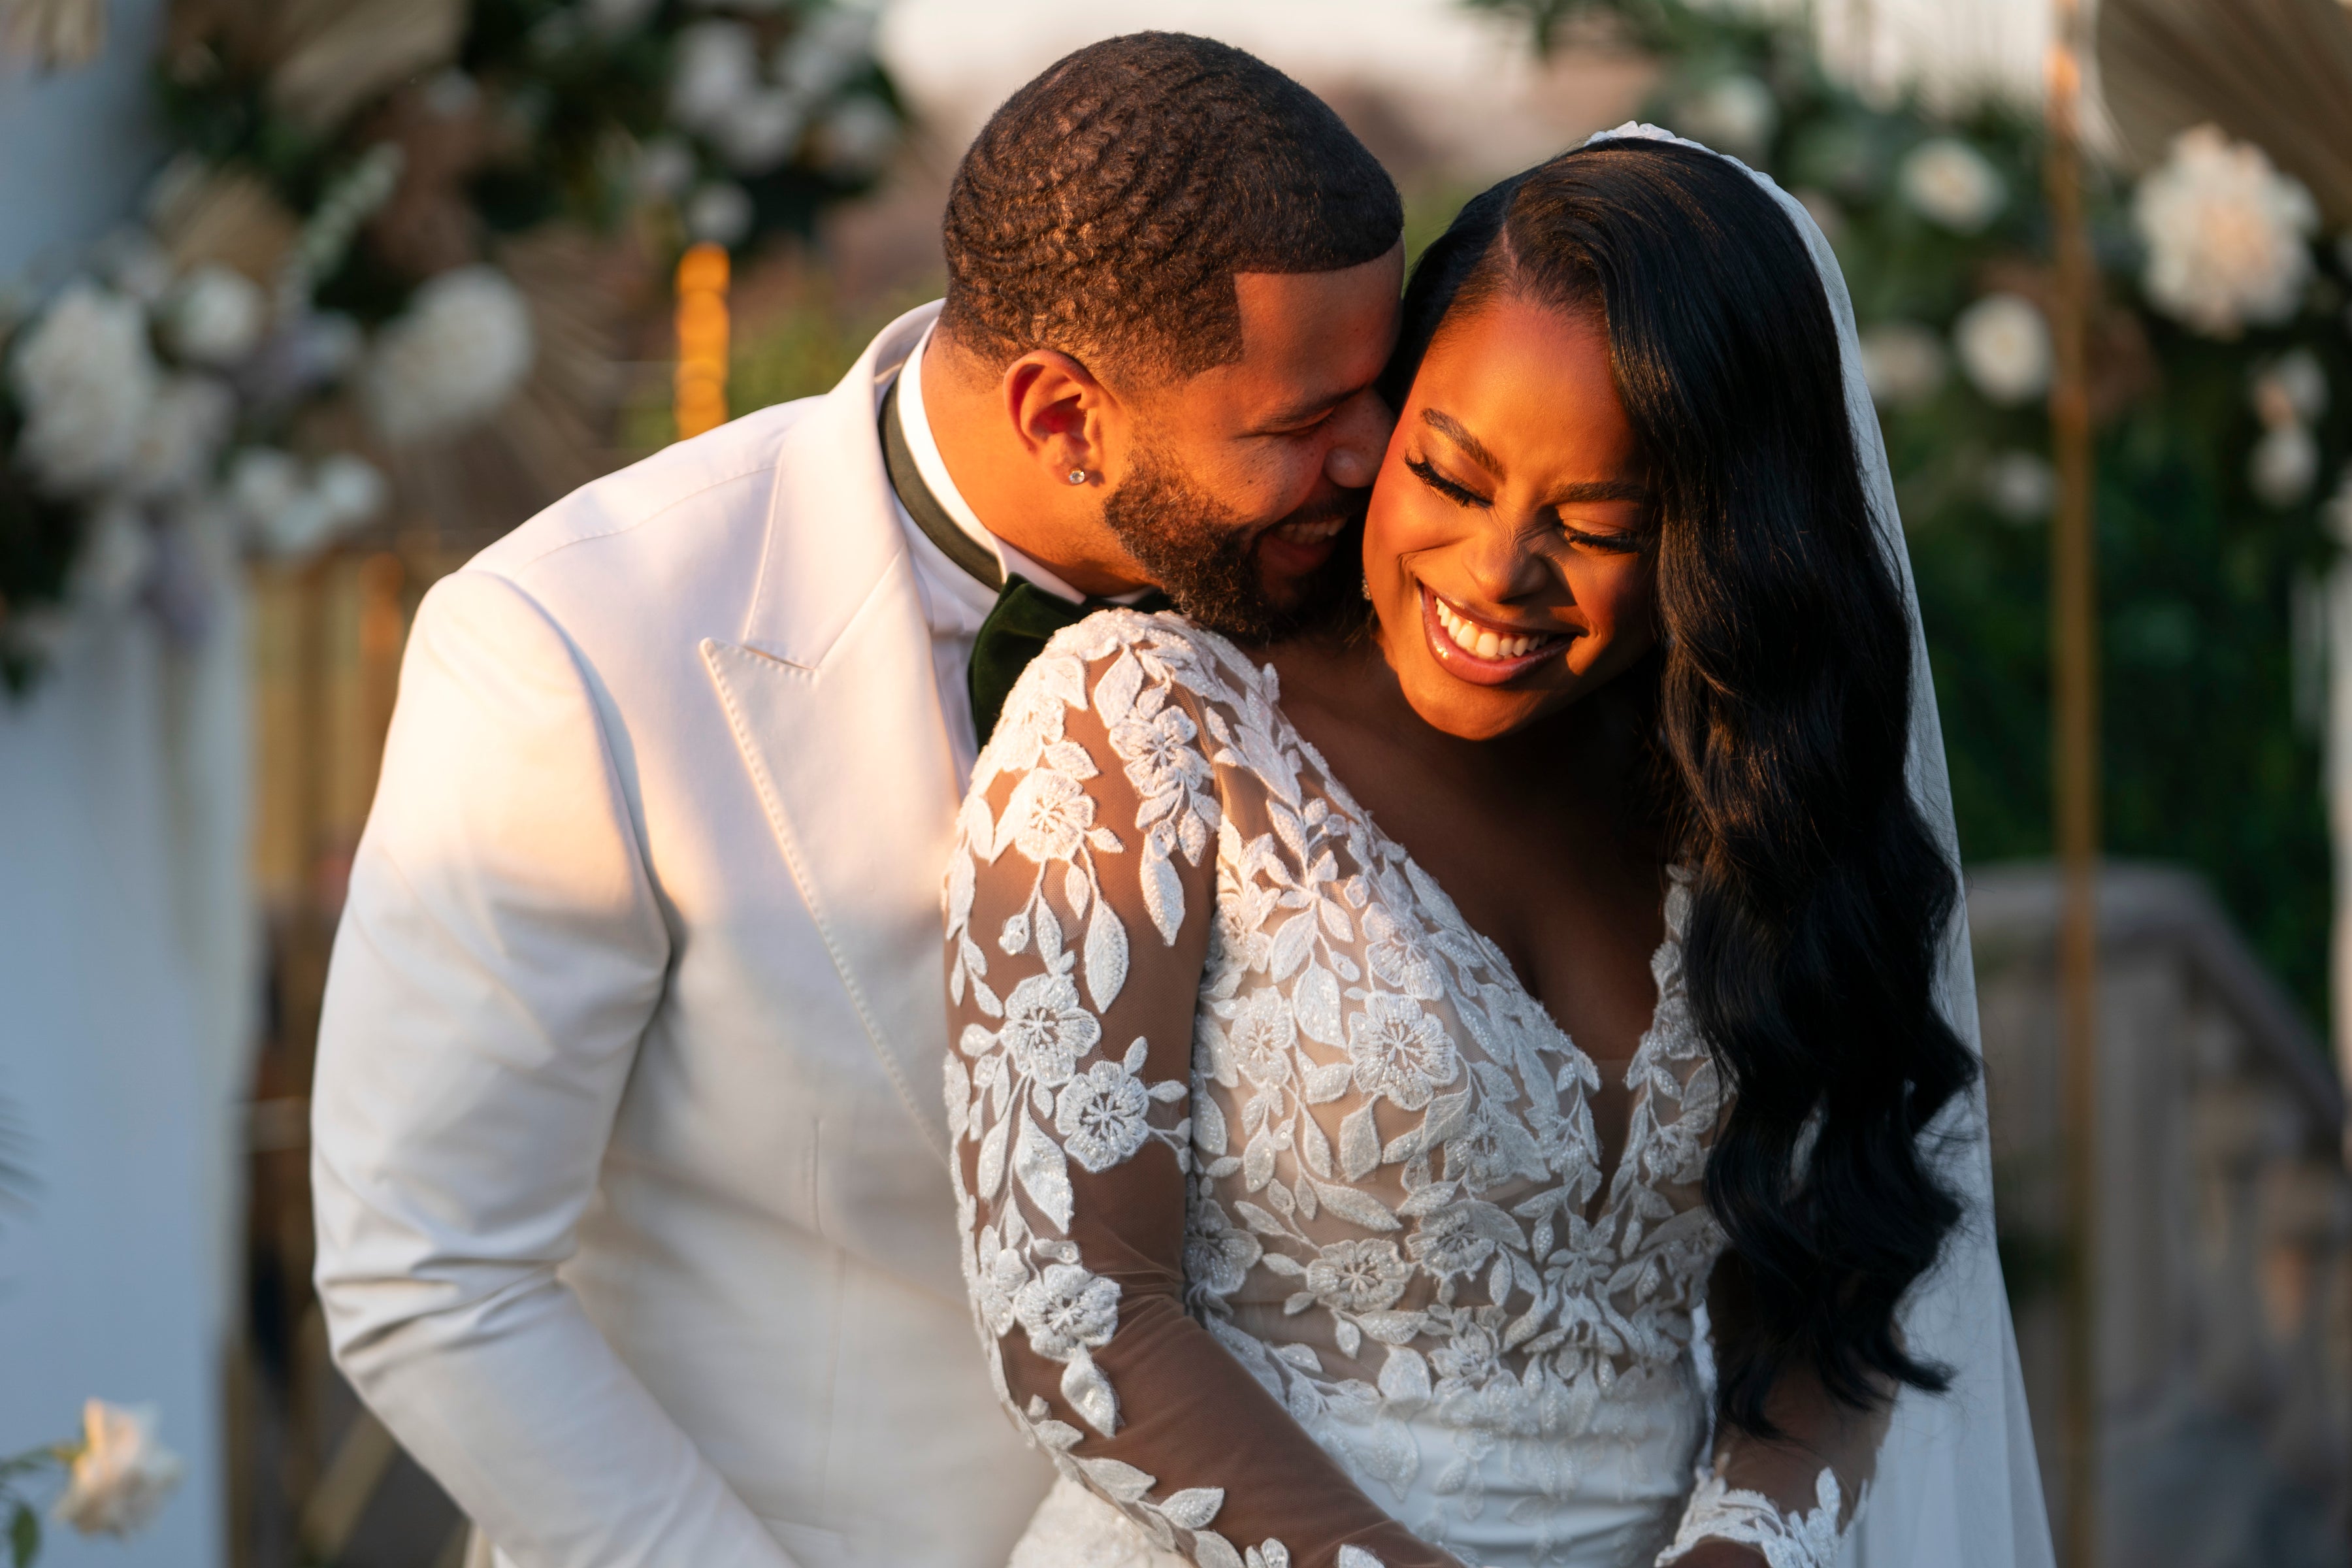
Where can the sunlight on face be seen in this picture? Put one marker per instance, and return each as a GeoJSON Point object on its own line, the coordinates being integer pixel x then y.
{"type": "Point", "coordinates": [1508, 551]}
{"type": "Point", "coordinates": [1281, 443]}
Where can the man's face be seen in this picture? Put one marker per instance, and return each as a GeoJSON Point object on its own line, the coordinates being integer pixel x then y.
{"type": "Point", "coordinates": [1242, 478]}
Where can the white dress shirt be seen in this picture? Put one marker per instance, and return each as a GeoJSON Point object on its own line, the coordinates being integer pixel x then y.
{"type": "Point", "coordinates": [954, 601]}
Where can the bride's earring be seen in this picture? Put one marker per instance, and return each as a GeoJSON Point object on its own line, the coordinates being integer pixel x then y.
{"type": "Point", "coordinates": [1077, 476]}
{"type": "Point", "coordinates": [1366, 581]}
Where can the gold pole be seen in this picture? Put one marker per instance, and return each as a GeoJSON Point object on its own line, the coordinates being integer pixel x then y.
{"type": "Point", "coordinates": [701, 392]}
{"type": "Point", "coordinates": [2074, 678]}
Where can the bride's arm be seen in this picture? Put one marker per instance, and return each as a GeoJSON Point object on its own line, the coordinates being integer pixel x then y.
{"type": "Point", "coordinates": [1785, 1500]}
{"type": "Point", "coordinates": [1080, 902]}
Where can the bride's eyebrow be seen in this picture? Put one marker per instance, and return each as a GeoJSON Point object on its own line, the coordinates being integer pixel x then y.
{"type": "Point", "coordinates": [1454, 430]}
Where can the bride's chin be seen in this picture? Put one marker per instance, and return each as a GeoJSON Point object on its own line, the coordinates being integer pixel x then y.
{"type": "Point", "coordinates": [1469, 712]}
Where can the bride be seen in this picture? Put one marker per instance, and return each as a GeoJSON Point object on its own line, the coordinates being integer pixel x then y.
{"type": "Point", "coordinates": [1489, 1080]}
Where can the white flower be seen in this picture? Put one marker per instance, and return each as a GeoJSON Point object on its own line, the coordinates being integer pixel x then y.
{"type": "Point", "coordinates": [216, 316]}
{"type": "Point", "coordinates": [1492, 1150]}
{"type": "Point", "coordinates": [664, 168]}
{"type": "Point", "coordinates": [1902, 361]}
{"type": "Point", "coordinates": [350, 488]}
{"type": "Point", "coordinates": [117, 558]}
{"type": "Point", "coordinates": [1262, 1036]}
{"type": "Point", "coordinates": [825, 50]}
{"type": "Point", "coordinates": [1066, 1310]}
{"type": "Point", "coordinates": [182, 435]}
{"type": "Point", "coordinates": [2284, 465]}
{"type": "Point", "coordinates": [1735, 114]}
{"type": "Point", "coordinates": [716, 68]}
{"type": "Point", "coordinates": [263, 482]}
{"type": "Point", "coordinates": [2021, 486]}
{"type": "Point", "coordinates": [760, 131]}
{"type": "Point", "coordinates": [2004, 347]}
{"type": "Point", "coordinates": [1446, 1245]}
{"type": "Point", "coordinates": [1217, 1258]}
{"type": "Point", "coordinates": [1473, 1354]}
{"type": "Point", "coordinates": [292, 513]}
{"type": "Point", "coordinates": [1001, 1279]}
{"type": "Point", "coordinates": [1361, 1275]}
{"type": "Point", "coordinates": [2226, 234]}
{"type": "Point", "coordinates": [1398, 957]}
{"type": "Point", "coordinates": [121, 1476]}
{"type": "Point", "coordinates": [1158, 752]}
{"type": "Point", "coordinates": [85, 380]}
{"type": "Point", "coordinates": [857, 138]}
{"type": "Point", "coordinates": [617, 19]}
{"type": "Point", "coordinates": [1399, 1051]}
{"type": "Point", "coordinates": [453, 358]}
{"type": "Point", "coordinates": [1047, 817]}
{"type": "Point", "coordinates": [2290, 390]}
{"type": "Point", "coordinates": [1951, 184]}
{"type": "Point", "coordinates": [1100, 1116]}
{"type": "Point", "coordinates": [720, 212]}
{"type": "Point", "coordinates": [1046, 1030]}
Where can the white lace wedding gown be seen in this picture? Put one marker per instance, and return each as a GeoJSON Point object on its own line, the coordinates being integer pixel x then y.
{"type": "Point", "coordinates": [1281, 1201]}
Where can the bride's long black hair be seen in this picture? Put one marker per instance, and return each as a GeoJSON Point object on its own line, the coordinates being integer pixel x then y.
{"type": "Point", "coordinates": [1821, 900]}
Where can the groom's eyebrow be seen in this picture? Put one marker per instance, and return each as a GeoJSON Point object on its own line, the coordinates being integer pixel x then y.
{"type": "Point", "coordinates": [1304, 411]}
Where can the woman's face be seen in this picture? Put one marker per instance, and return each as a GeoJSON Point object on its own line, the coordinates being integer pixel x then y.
{"type": "Point", "coordinates": [1508, 548]}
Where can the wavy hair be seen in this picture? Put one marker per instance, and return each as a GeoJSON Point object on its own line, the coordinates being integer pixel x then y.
{"type": "Point", "coordinates": [1820, 900]}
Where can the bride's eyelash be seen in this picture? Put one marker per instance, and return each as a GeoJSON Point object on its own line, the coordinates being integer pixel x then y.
{"type": "Point", "coordinates": [1463, 495]}
{"type": "Point", "coordinates": [1614, 544]}
{"type": "Point", "coordinates": [1460, 495]}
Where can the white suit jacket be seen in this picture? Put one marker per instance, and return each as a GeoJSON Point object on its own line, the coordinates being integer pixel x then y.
{"type": "Point", "coordinates": [633, 1224]}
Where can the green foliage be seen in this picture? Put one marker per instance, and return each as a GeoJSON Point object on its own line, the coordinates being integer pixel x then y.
{"type": "Point", "coordinates": [2205, 758]}
{"type": "Point", "coordinates": [23, 1536]}
{"type": "Point", "coordinates": [37, 538]}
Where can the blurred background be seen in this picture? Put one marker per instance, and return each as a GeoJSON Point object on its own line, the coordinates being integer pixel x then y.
{"type": "Point", "coordinates": [304, 302]}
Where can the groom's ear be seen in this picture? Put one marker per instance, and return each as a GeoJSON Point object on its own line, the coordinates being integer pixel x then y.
{"type": "Point", "coordinates": [1065, 420]}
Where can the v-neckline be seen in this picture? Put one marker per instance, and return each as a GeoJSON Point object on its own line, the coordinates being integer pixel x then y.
{"type": "Point", "coordinates": [1614, 1172]}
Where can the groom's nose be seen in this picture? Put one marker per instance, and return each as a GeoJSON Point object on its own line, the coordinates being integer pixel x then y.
{"type": "Point", "coordinates": [1359, 435]}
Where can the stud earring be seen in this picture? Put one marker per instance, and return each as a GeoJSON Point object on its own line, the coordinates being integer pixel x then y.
{"type": "Point", "coordinates": [1077, 476]}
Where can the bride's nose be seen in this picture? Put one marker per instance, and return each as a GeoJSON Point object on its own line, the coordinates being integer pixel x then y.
{"type": "Point", "coordinates": [1501, 558]}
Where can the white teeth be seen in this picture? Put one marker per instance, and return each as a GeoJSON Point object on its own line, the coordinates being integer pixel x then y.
{"type": "Point", "coordinates": [1480, 642]}
{"type": "Point", "coordinates": [1311, 533]}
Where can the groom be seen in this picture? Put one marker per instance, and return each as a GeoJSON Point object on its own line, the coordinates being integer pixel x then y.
{"type": "Point", "coordinates": [633, 1224]}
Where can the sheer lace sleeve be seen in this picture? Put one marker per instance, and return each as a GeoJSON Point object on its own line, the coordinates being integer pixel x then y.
{"type": "Point", "coordinates": [1791, 1498]}
{"type": "Point", "coordinates": [1080, 907]}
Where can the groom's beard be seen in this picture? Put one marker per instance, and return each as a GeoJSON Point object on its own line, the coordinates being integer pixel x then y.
{"type": "Point", "coordinates": [1204, 557]}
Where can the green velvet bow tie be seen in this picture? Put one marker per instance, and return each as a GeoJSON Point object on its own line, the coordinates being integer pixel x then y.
{"type": "Point", "coordinates": [1025, 618]}
{"type": "Point", "coordinates": [1016, 631]}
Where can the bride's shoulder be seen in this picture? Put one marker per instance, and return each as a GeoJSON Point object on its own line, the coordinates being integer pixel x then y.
{"type": "Point", "coordinates": [1160, 648]}
{"type": "Point", "coordinates": [1133, 677]}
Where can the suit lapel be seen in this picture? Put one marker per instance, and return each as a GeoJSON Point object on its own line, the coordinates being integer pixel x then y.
{"type": "Point", "coordinates": [831, 695]}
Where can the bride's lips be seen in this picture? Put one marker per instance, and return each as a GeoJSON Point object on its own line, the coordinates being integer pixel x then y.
{"type": "Point", "coordinates": [1469, 663]}
{"type": "Point", "coordinates": [1294, 549]}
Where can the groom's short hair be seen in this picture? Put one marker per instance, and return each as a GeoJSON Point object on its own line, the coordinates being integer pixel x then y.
{"type": "Point", "coordinates": [1107, 205]}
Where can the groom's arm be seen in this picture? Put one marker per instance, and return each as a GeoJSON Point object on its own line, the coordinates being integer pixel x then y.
{"type": "Point", "coordinates": [500, 955]}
